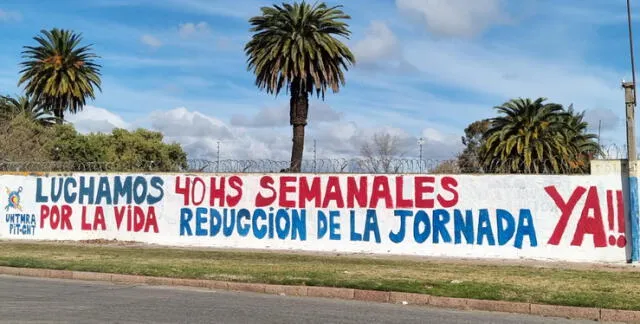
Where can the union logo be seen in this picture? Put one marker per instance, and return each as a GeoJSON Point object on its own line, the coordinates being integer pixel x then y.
{"type": "Point", "coordinates": [14, 199]}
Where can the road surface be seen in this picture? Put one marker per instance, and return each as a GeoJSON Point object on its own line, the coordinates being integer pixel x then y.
{"type": "Point", "coordinates": [55, 301]}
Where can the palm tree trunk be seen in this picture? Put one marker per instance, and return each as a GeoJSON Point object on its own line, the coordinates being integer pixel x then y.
{"type": "Point", "coordinates": [59, 113]}
{"type": "Point", "coordinates": [298, 110]}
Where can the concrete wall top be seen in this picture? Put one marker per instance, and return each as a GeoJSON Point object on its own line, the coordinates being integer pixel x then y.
{"type": "Point", "coordinates": [611, 167]}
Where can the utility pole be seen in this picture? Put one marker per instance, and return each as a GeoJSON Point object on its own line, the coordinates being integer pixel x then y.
{"type": "Point", "coordinates": [420, 142]}
{"type": "Point", "coordinates": [629, 98]}
{"type": "Point", "coordinates": [630, 103]}
{"type": "Point", "coordinates": [218, 158]}
{"type": "Point", "coordinates": [634, 217]}
{"type": "Point", "coordinates": [599, 130]}
{"type": "Point", "coordinates": [315, 156]}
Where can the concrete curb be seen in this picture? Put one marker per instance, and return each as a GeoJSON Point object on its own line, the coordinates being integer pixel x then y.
{"type": "Point", "coordinates": [595, 314]}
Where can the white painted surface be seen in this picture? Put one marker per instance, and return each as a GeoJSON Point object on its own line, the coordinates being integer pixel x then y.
{"type": "Point", "coordinates": [609, 167]}
{"type": "Point", "coordinates": [507, 192]}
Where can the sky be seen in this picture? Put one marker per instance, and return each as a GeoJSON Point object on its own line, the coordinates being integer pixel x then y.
{"type": "Point", "coordinates": [424, 68]}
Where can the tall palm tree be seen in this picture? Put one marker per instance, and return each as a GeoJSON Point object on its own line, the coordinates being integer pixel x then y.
{"type": "Point", "coordinates": [530, 137]}
{"type": "Point", "coordinates": [59, 72]}
{"type": "Point", "coordinates": [294, 47]}
{"type": "Point", "coordinates": [11, 107]}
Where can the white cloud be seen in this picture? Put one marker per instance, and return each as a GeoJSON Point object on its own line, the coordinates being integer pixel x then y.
{"type": "Point", "coordinates": [458, 18]}
{"type": "Point", "coordinates": [9, 16]}
{"type": "Point", "coordinates": [151, 41]}
{"type": "Point", "coordinates": [200, 135]}
{"type": "Point", "coordinates": [345, 140]}
{"type": "Point", "coordinates": [379, 43]}
{"type": "Point", "coordinates": [434, 135]}
{"type": "Point", "coordinates": [193, 29]}
{"type": "Point", "coordinates": [381, 50]}
{"type": "Point", "coordinates": [97, 120]}
{"type": "Point", "coordinates": [279, 117]}
{"type": "Point", "coordinates": [180, 122]}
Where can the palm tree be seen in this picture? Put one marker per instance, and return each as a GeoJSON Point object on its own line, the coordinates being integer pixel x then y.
{"type": "Point", "coordinates": [533, 137]}
{"type": "Point", "coordinates": [59, 72]}
{"type": "Point", "coordinates": [22, 105]}
{"type": "Point", "coordinates": [294, 47]}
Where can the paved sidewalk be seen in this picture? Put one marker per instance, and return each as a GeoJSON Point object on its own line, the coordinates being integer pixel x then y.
{"type": "Point", "coordinates": [55, 300]}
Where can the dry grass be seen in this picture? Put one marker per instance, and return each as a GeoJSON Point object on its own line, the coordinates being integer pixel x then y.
{"type": "Point", "coordinates": [592, 288]}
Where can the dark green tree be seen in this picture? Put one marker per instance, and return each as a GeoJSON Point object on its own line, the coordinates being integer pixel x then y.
{"type": "Point", "coordinates": [59, 73]}
{"type": "Point", "coordinates": [535, 137]}
{"type": "Point", "coordinates": [24, 143]}
{"type": "Point", "coordinates": [144, 149]}
{"type": "Point", "coordinates": [11, 107]}
{"type": "Point", "coordinates": [81, 152]}
{"type": "Point", "coordinates": [469, 160]}
{"type": "Point", "coordinates": [451, 166]}
{"type": "Point", "coordinates": [293, 47]}
{"type": "Point", "coordinates": [584, 143]}
{"type": "Point", "coordinates": [124, 151]}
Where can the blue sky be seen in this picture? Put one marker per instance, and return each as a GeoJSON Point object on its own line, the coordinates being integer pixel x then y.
{"type": "Point", "coordinates": [426, 68]}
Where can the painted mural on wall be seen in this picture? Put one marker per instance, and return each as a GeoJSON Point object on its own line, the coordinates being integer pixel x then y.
{"type": "Point", "coordinates": [573, 218]}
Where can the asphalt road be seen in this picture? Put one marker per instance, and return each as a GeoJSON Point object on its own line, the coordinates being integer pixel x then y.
{"type": "Point", "coordinates": [30, 300]}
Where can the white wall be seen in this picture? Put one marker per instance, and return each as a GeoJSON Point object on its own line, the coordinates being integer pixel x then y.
{"type": "Point", "coordinates": [521, 199]}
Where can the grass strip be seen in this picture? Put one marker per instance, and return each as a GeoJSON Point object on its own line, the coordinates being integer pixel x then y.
{"type": "Point", "coordinates": [554, 286]}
